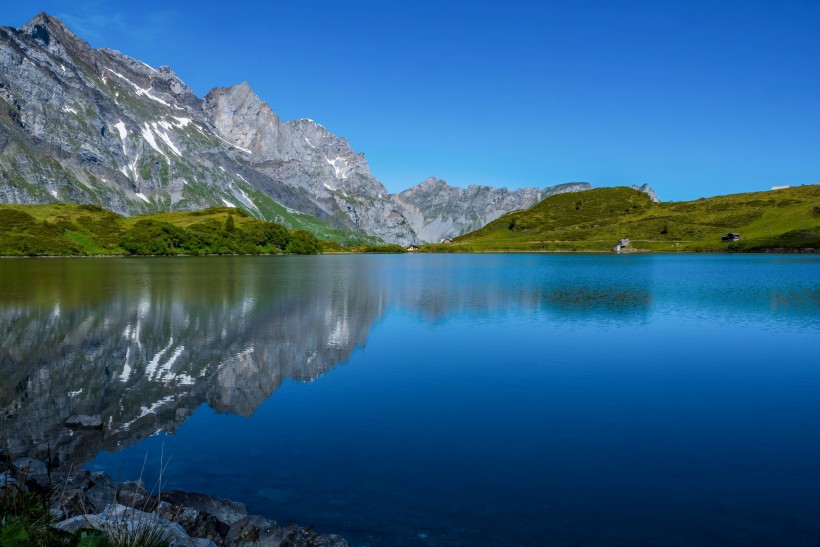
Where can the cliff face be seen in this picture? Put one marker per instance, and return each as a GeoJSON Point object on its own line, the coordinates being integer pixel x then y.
{"type": "Point", "coordinates": [90, 125]}
{"type": "Point", "coordinates": [311, 160]}
{"type": "Point", "coordinates": [436, 210]}
{"type": "Point", "coordinates": [94, 126]}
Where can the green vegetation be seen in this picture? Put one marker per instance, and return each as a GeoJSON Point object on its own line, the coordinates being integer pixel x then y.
{"type": "Point", "coordinates": [334, 247]}
{"type": "Point", "coordinates": [26, 521]}
{"type": "Point", "coordinates": [301, 221]}
{"type": "Point", "coordinates": [392, 248]}
{"type": "Point", "coordinates": [595, 220]}
{"type": "Point", "coordinates": [84, 230]}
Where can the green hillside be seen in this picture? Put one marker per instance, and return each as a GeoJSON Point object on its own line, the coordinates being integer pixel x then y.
{"type": "Point", "coordinates": [85, 230]}
{"type": "Point", "coordinates": [595, 220]}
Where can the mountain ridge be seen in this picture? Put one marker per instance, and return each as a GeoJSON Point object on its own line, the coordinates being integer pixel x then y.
{"type": "Point", "coordinates": [93, 125]}
{"type": "Point", "coordinates": [437, 210]}
{"type": "Point", "coordinates": [87, 125]}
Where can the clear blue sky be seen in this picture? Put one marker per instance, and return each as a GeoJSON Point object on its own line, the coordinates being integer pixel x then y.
{"type": "Point", "coordinates": [694, 98]}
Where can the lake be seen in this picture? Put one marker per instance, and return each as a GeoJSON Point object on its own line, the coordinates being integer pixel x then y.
{"type": "Point", "coordinates": [438, 399]}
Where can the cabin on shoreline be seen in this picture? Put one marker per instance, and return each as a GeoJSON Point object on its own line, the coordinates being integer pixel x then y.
{"type": "Point", "coordinates": [623, 242]}
{"type": "Point", "coordinates": [732, 236]}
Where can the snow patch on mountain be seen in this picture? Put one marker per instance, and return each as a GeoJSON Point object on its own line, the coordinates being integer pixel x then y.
{"type": "Point", "coordinates": [139, 90]}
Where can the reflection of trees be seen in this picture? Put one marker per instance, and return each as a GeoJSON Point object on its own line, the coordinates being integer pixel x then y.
{"type": "Point", "coordinates": [144, 342]}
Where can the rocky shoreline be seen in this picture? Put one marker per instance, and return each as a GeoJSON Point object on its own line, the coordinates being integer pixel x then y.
{"type": "Point", "coordinates": [88, 499]}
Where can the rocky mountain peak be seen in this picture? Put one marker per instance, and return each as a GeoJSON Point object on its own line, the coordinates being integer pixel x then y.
{"type": "Point", "coordinates": [242, 118]}
{"type": "Point", "coordinates": [50, 32]}
{"type": "Point", "coordinates": [431, 182]}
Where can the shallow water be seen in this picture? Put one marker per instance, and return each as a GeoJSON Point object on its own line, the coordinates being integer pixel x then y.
{"type": "Point", "coordinates": [436, 400]}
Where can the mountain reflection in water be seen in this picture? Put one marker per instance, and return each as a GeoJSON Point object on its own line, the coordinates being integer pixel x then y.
{"type": "Point", "coordinates": [143, 343]}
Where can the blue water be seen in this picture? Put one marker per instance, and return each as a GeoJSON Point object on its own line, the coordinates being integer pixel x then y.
{"type": "Point", "coordinates": [529, 400]}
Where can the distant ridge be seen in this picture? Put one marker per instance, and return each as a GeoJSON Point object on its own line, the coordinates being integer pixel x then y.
{"type": "Point", "coordinates": [436, 210]}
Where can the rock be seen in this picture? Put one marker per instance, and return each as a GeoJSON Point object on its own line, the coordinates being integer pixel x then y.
{"type": "Point", "coordinates": [101, 491]}
{"type": "Point", "coordinates": [34, 469]}
{"type": "Point", "coordinates": [226, 511]}
{"type": "Point", "coordinates": [646, 189]}
{"type": "Point", "coordinates": [86, 499]}
{"type": "Point", "coordinates": [436, 210]}
{"type": "Point", "coordinates": [133, 494]}
{"type": "Point", "coordinates": [118, 519]}
{"type": "Point", "coordinates": [201, 515]}
{"type": "Point", "coordinates": [83, 421]}
{"type": "Point", "coordinates": [6, 480]}
{"type": "Point", "coordinates": [311, 160]}
{"type": "Point", "coordinates": [5, 460]}
{"type": "Point", "coordinates": [256, 530]}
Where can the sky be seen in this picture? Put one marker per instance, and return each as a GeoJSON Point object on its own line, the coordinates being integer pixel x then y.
{"type": "Point", "coordinates": [694, 98]}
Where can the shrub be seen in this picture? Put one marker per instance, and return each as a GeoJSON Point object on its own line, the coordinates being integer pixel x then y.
{"type": "Point", "coordinates": [302, 243]}
{"type": "Point", "coordinates": [392, 248]}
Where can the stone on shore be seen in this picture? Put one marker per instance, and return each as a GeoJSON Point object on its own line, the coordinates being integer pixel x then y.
{"type": "Point", "coordinates": [118, 519]}
{"type": "Point", "coordinates": [259, 531]}
{"type": "Point", "coordinates": [84, 499]}
{"type": "Point", "coordinates": [31, 467]}
{"type": "Point", "coordinates": [202, 515]}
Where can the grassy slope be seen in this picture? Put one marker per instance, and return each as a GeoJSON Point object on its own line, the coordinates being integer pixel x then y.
{"type": "Point", "coordinates": [65, 229]}
{"type": "Point", "coordinates": [594, 220]}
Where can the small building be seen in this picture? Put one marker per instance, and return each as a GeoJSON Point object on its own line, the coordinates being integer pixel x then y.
{"type": "Point", "coordinates": [782, 187]}
{"type": "Point", "coordinates": [623, 242]}
{"type": "Point", "coordinates": [446, 241]}
{"type": "Point", "coordinates": [412, 248]}
{"type": "Point", "coordinates": [731, 237]}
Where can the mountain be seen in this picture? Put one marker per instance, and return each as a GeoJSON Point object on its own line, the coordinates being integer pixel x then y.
{"type": "Point", "coordinates": [595, 220]}
{"type": "Point", "coordinates": [86, 125]}
{"type": "Point", "coordinates": [94, 126]}
{"type": "Point", "coordinates": [436, 210]}
{"type": "Point", "coordinates": [311, 159]}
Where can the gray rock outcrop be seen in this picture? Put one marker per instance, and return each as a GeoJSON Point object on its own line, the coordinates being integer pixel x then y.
{"type": "Point", "coordinates": [80, 500]}
{"type": "Point", "coordinates": [309, 158]}
{"type": "Point", "coordinates": [646, 189]}
{"type": "Point", "coordinates": [436, 210]}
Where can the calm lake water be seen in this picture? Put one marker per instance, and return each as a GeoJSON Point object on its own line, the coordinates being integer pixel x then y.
{"type": "Point", "coordinates": [439, 400]}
